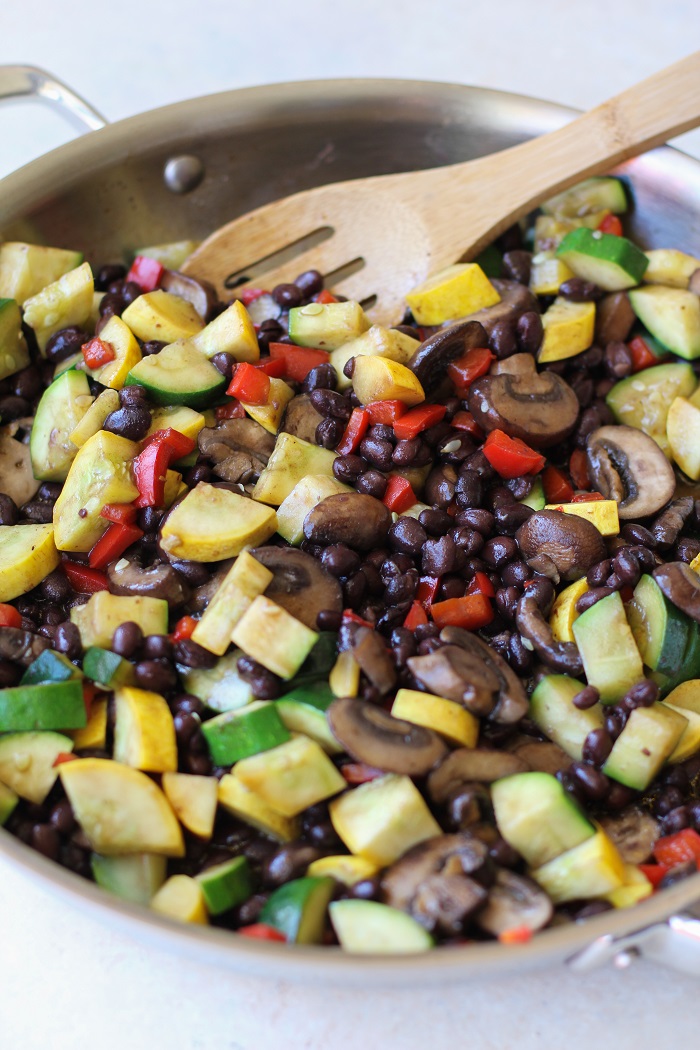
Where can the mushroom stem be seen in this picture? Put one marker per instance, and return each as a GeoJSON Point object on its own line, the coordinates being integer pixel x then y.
{"type": "Point", "coordinates": [561, 656]}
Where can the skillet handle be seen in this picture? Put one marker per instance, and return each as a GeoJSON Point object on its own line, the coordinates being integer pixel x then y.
{"type": "Point", "coordinates": [674, 943]}
{"type": "Point", "coordinates": [28, 82]}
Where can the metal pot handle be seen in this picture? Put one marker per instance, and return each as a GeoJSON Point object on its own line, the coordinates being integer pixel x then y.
{"type": "Point", "coordinates": [674, 943]}
{"type": "Point", "coordinates": [31, 83]}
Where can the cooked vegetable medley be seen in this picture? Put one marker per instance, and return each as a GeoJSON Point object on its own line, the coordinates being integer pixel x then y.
{"type": "Point", "coordinates": [325, 632]}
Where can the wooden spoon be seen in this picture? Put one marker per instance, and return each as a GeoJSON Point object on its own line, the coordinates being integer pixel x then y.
{"type": "Point", "coordinates": [398, 229]}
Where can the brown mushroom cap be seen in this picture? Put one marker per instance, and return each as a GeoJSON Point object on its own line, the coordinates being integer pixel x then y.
{"type": "Point", "coordinates": [634, 831]}
{"type": "Point", "coordinates": [573, 543]}
{"type": "Point", "coordinates": [370, 652]}
{"type": "Point", "coordinates": [542, 756]}
{"type": "Point", "coordinates": [537, 407]}
{"type": "Point", "coordinates": [199, 293]}
{"type": "Point", "coordinates": [468, 764]}
{"type": "Point", "coordinates": [22, 647]}
{"type": "Point", "coordinates": [401, 881]}
{"type": "Point", "coordinates": [681, 585]}
{"type": "Point", "coordinates": [512, 703]}
{"type": "Point", "coordinates": [516, 299]}
{"type": "Point", "coordinates": [300, 585]}
{"type": "Point", "coordinates": [238, 448]}
{"type": "Point", "coordinates": [439, 350]}
{"type": "Point", "coordinates": [371, 735]}
{"type": "Point", "coordinates": [360, 521]}
{"type": "Point", "coordinates": [301, 419]}
{"type": "Point", "coordinates": [628, 466]}
{"type": "Point", "coordinates": [560, 656]}
{"type": "Point", "coordinates": [513, 902]}
{"type": "Point", "coordinates": [157, 581]}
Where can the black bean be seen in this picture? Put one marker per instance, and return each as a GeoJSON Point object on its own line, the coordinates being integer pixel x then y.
{"type": "Point", "coordinates": [319, 378]}
{"type": "Point", "coordinates": [439, 556]}
{"type": "Point", "coordinates": [377, 451]}
{"type": "Point", "coordinates": [519, 657]}
{"type": "Point", "coordinates": [130, 291]}
{"type": "Point", "coordinates": [53, 615]}
{"type": "Point", "coordinates": [339, 560]}
{"type": "Point", "coordinates": [586, 697]}
{"type": "Point", "coordinates": [434, 435]}
{"type": "Point", "coordinates": [506, 600]}
{"type": "Point", "coordinates": [12, 407]}
{"type": "Point", "coordinates": [151, 347]}
{"type": "Point", "coordinates": [193, 571]}
{"type": "Point", "coordinates": [643, 694]}
{"type": "Point", "coordinates": [529, 332]}
{"type": "Point", "coordinates": [498, 551]}
{"type": "Point", "coordinates": [509, 518]}
{"type": "Point", "coordinates": [199, 472]}
{"type": "Point", "coordinates": [675, 821]}
{"type": "Point", "coordinates": [618, 360]}
{"type": "Point", "coordinates": [668, 800]}
{"type": "Point", "coordinates": [435, 522]}
{"type": "Point", "coordinates": [400, 589]}
{"type": "Point", "coordinates": [67, 640]}
{"type": "Point", "coordinates": [516, 573]}
{"type": "Point", "coordinates": [598, 573]}
{"type": "Point", "coordinates": [64, 343]}
{"type": "Point", "coordinates": [502, 340]}
{"type": "Point", "coordinates": [62, 817]}
{"type": "Point", "coordinates": [407, 536]}
{"type": "Point", "coordinates": [638, 534]}
{"type": "Point", "coordinates": [372, 483]}
{"type": "Point", "coordinates": [615, 722]}
{"type": "Point", "coordinates": [131, 422]}
{"type": "Point", "coordinates": [186, 725]}
{"type": "Point", "coordinates": [328, 433]}
{"type": "Point", "coordinates": [55, 587]}
{"type": "Point", "coordinates": [127, 639]}
{"type": "Point", "coordinates": [687, 549]}
{"type": "Point", "coordinates": [309, 283]}
{"type": "Point", "coordinates": [191, 654]}
{"type": "Point", "coordinates": [597, 746]}
{"type": "Point", "coordinates": [27, 383]}
{"type": "Point", "coordinates": [541, 589]}
{"type": "Point", "coordinates": [476, 518]}
{"type": "Point", "coordinates": [330, 403]}
{"type": "Point", "coordinates": [583, 386]}
{"type": "Point", "coordinates": [186, 703]}
{"type": "Point", "coordinates": [112, 304]}
{"type": "Point", "coordinates": [595, 785]}
{"type": "Point", "coordinates": [155, 675]}
{"type": "Point", "coordinates": [349, 368]}
{"type": "Point", "coordinates": [10, 673]}
{"type": "Point", "coordinates": [132, 395]}
{"type": "Point", "coordinates": [347, 468]}
{"type": "Point", "coordinates": [452, 586]}
{"type": "Point", "coordinates": [520, 487]}
{"type": "Point", "coordinates": [9, 511]}
{"type": "Point", "coordinates": [626, 567]}
{"type": "Point", "coordinates": [224, 363]}
{"type": "Point", "coordinates": [405, 452]}
{"type": "Point", "coordinates": [287, 295]}
{"type": "Point", "coordinates": [469, 490]}
{"type": "Point", "coordinates": [329, 620]}
{"type": "Point", "coordinates": [576, 290]}
{"type": "Point", "coordinates": [264, 684]}
{"type": "Point", "coordinates": [45, 839]}
{"type": "Point", "coordinates": [157, 647]}
{"type": "Point", "coordinates": [398, 564]}
{"type": "Point", "coordinates": [680, 871]}
{"type": "Point", "coordinates": [591, 597]}
{"type": "Point", "coordinates": [517, 265]}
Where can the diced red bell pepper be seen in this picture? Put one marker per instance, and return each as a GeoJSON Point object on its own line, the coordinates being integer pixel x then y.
{"type": "Point", "coordinates": [298, 360]}
{"type": "Point", "coordinates": [511, 457]}
{"type": "Point", "coordinates": [415, 617]}
{"type": "Point", "coordinates": [515, 935]}
{"type": "Point", "coordinates": [465, 421]}
{"type": "Point", "coordinates": [471, 612]}
{"type": "Point", "coordinates": [360, 772]}
{"type": "Point", "coordinates": [249, 385]}
{"type": "Point", "coordinates": [470, 366]}
{"type": "Point", "coordinates": [119, 513]}
{"type": "Point", "coordinates": [150, 469]}
{"type": "Point", "coordinates": [89, 693]}
{"type": "Point", "coordinates": [179, 444]}
{"type": "Point", "coordinates": [232, 410]}
{"type": "Point", "coordinates": [556, 485]}
{"type": "Point", "coordinates": [354, 432]}
{"type": "Point", "coordinates": [399, 495]}
{"type": "Point", "coordinates": [654, 872]}
{"type": "Point", "coordinates": [677, 848]}
{"type": "Point", "coordinates": [386, 412]}
{"type": "Point", "coordinates": [586, 497]}
{"type": "Point", "coordinates": [9, 616]}
{"type": "Point", "coordinates": [481, 584]}
{"type": "Point", "coordinates": [249, 295]}
{"type": "Point", "coordinates": [146, 272]}
{"type": "Point", "coordinates": [418, 419]}
{"type": "Point", "coordinates": [112, 543]}
{"type": "Point", "coordinates": [83, 579]}
{"type": "Point", "coordinates": [611, 224]}
{"type": "Point", "coordinates": [325, 297]}
{"type": "Point", "coordinates": [349, 615]}
{"type": "Point", "coordinates": [578, 468]}
{"type": "Point", "coordinates": [96, 352]}
{"type": "Point", "coordinates": [262, 932]}
{"type": "Point", "coordinates": [642, 355]}
{"type": "Point", "coordinates": [62, 757]}
{"type": "Point", "coordinates": [275, 368]}
{"type": "Point", "coordinates": [184, 628]}
{"type": "Point", "coordinates": [427, 589]}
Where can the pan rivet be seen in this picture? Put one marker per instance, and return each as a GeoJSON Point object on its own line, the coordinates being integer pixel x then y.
{"type": "Point", "coordinates": [183, 174]}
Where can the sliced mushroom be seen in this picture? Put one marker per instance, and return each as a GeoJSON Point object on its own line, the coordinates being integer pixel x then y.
{"type": "Point", "coordinates": [22, 647]}
{"type": "Point", "coordinates": [435, 353]}
{"type": "Point", "coordinates": [543, 756]}
{"type": "Point", "coordinates": [300, 585]}
{"type": "Point", "coordinates": [572, 543]}
{"type": "Point", "coordinates": [628, 466]}
{"type": "Point", "coordinates": [199, 293]}
{"type": "Point", "coordinates": [481, 765]}
{"type": "Point", "coordinates": [401, 881]}
{"type": "Point", "coordinates": [371, 735]}
{"type": "Point", "coordinates": [560, 656]}
{"type": "Point", "coordinates": [371, 654]}
{"type": "Point", "coordinates": [239, 449]}
{"type": "Point", "coordinates": [515, 365]}
{"type": "Point", "coordinates": [537, 407]}
{"type": "Point", "coordinates": [301, 419]}
{"type": "Point", "coordinates": [669, 524]}
{"type": "Point", "coordinates": [16, 478]}
{"type": "Point", "coordinates": [514, 901]}
{"type": "Point", "coordinates": [359, 521]}
{"type": "Point", "coordinates": [445, 902]}
{"type": "Point", "coordinates": [681, 585]}
{"type": "Point", "coordinates": [204, 592]}
{"type": "Point", "coordinates": [512, 703]}
{"type": "Point", "coordinates": [516, 299]}
{"type": "Point", "coordinates": [157, 581]}
{"type": "Point", "coordinates": [634, 832]}
{"type": "Point", "coordinates": [459, 676]}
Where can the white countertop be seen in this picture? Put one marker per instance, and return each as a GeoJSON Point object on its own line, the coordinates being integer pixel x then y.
{"type": "Point", "coordinates": [67, 981]}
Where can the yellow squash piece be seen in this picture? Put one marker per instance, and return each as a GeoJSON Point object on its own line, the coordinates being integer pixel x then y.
{"type": "Point", "coordinates": [232, 332]}
{"type": "Point", "coordinates": [66, 302]}
{"type": "Point", "coordinates": [99, 474]}
{"type": "Point", "coordinates": [25, 269]}
{"type": "Point", "coordinates": [685, 701]}
{"type": "Point", "coordinates": [453, 293]}
{"type": "Point", "coordinates": [91, 423]}
{"type": "Point", "coordinates": [270, 414]}
{"type": "Point", "coordinates": [245, 580]}
{"type": "Point", "coordinates": [564, 611]}
{"type": "Point", "coordinates": [670, 267]}
{"type": "Point", "coordinates": [344, 678]}
{"type": "Point", "coordinates": [591, 869]}
{"type": "Point", "coordinates": [445, 717]}
{"type": "Point", "coordinates": [27, 554]}
{"type": "Point", "coordinates": [378, 379]}
{"type": "Point", "coordinates": [172, 254]}
{"type": "Point", "coordinates": [120, 809]}
{"type": "Point", "coordinates": [27, 762]}
{"type": "Point", "coordinates": [382, 819]}
{"type": "Point", "coordinates": [377, 341]}
{"type": "Point", "coordinates": [291, 460]}
{"type": "Point", "coordinates": [244, 804]}
{"type": "Point", "coordinates": [94, 734]}
{"type": "Point", "coordinates": [194, 800]}
{"type": "Point", "coordinates": [635, 888]}
{"type": "Point", "coordinates": [144, 731]}
{"type": "Point", "coordinates": [568, 330]}
{"type": "Point", "coordinates": [548, 273]}
{"type": "Point", "coordinates": [269, 634]}
{"type": "Point", "coordinates": [212, 524]}
{"type": "Point", "coordinates": [99, 617]}
{"type": "Point", "coordinates": [683, 432]}
{"type": "Point", "coordinates": [181, 898]}
{"type": "Point", "coordinates": [303, 498]}
{"type": "Point", "coordinates": [292, 776]}
{"type": "Point", "coordinates": [345, 869]}
{"type": "Point", "coordinates": [160, 315]}
{"type": "Point", "coordinates": [127, 350]}
{"type": "Point", "coordinates": [181, 418]}
{"type": "Point", "coordinates": [602, 513]}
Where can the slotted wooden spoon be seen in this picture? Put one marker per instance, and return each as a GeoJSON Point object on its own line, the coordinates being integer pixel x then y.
{"type": "Point", "coordinates": [398, 229]}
